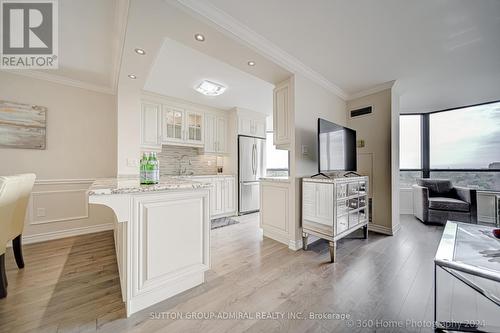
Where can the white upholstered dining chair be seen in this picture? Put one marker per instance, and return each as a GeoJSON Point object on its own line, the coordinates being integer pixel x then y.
{"type": "Point", "coordinates": [15, 192]}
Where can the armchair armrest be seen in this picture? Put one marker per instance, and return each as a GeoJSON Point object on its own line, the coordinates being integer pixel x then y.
{"type": "Point", "coordinates": [468, 195]}
{"type": "Point", "coordinates": [465, 194]}
{"type": "Point", "coordinates": [421, 202]}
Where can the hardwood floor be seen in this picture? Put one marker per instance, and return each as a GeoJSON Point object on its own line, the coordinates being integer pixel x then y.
{"type": "Point", "coordinates": [71, 285]}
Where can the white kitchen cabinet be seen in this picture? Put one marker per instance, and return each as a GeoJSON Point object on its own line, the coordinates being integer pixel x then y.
{"type": "Point", "coordinates": [221, 134]}
{"type": "Point", "coordinates": [172, 125]}
{"type": "Point", "coordinates": [252, 126]}
{"type": "Point", "coordinates": [181, 127]}
{"type": "Point", "coordinates": [215, 134]}
{"type": "Point", "coordinates": [222, 194]}
{"type": "Point", "coordinates": [151, 266]}
{"type": "Point", "coordinates": [282, 115]}
{"type": "Point", "coordinates": [150, 126]}
{"type": "Point", "coordinates": [194, 127]}
{"type": "Point", "coordinates": [229, 194]}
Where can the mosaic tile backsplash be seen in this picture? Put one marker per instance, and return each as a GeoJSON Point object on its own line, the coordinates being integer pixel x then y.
{"type": "Point", "coordinates": [177, 160]}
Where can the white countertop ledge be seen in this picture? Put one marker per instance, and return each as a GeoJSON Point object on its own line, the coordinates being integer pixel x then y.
{"type": "Point", "coordinates": [107, 186]}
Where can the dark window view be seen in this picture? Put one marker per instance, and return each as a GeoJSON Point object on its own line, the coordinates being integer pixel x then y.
{"type": "Point", "coordinates": [464, 144]}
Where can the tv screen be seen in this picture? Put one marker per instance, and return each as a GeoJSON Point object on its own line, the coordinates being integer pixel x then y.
{"type": "Point", "coordinates": [336, 147]}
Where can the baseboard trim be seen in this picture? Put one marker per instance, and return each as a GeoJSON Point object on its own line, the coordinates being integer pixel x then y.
{"type": "Point", "coordinates": [381, 229]}
{"type": "Point", "coordinates": [295, 245]}
{"type": "Point", "coordinates": [406, 211]}
{"type": "Point", "coordinates": [277, 236]}
{"type": "Point", "coordinates": [30, 239]}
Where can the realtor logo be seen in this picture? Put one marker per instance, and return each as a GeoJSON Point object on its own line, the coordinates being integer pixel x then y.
{"type": "Point", "coordinates": [29, 34]}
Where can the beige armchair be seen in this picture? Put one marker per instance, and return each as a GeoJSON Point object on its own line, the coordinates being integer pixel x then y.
{"type": "Point", "coordinates": [15, 192]}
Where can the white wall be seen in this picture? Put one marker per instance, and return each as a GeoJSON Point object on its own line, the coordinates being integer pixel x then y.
{"type": "Point", "coordinates": [81, 146]}
{"type": "Point", "coordinates": [311, 101]}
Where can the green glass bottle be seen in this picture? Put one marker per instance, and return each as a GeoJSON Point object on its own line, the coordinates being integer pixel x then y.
{"type": "Point", "coordinates": [150, 170]}
{"type": "Point", "coordinates": [142, 169]}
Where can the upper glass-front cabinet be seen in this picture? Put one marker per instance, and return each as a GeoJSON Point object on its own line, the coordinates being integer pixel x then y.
{"type": "Point", "coordinates": [194, 124]}
{"type": "Point", "coordinates": [172, 124]}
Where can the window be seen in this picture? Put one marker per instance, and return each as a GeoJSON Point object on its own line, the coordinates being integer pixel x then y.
{"type": "Point", "coordinates": [461, 144]}
{"type": "Point", "coordinates": [276, 159]}
{"type": "Point", "coordinates": [467, 138]}
{"type": "Point", "coordinates": [410, 146]}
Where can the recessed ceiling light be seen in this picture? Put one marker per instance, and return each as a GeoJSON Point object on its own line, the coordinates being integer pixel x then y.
{"type": "Point", "coordinates": [132, 76]}
{"type": "Point", "coordinates": [199, 37]}
{"type": "Point", "coordinates": [140, 51]}
{"type": "Point", "coordinates": [209, 88]}
{"type": "Point", "coordinates": [251, 63]}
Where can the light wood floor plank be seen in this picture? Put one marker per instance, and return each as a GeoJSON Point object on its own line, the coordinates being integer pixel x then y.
{"type": "Point", "coordinates": [72, 284]}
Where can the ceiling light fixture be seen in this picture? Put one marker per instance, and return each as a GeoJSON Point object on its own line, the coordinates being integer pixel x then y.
{"type": "Point", "coordinates": [209, 88]}
{"type": "Point", "coordinates": [140, 51]}
{"type": "Point", "coordinates": [132, 76]}
{"type": "Point", "coordinates": [251, 63]}
{"type": "Point", "coordinates": [199, 37]}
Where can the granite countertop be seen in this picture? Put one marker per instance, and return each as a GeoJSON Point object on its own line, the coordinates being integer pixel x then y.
{"type": "Point", "coordinates": [275, 179]}
{"type": "Point", "coordinates": [202, 176]}
{"type": "Point", "coordinates": [126, 185]}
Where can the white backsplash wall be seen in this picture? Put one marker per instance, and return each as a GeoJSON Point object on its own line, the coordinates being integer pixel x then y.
{"type": "Point", "coordinates": [194, 161]}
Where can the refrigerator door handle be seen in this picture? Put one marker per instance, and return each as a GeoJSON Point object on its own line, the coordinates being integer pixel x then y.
{"type": "Point", "coordinates": [253, 159]}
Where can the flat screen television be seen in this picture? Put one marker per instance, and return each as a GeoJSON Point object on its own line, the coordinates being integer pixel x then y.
{"type": "Point", "coordinates": [336, 147]}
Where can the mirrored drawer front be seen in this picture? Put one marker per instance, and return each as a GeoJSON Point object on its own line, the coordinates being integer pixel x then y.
{"type": "Point", "coordinates": [341, 191]}
{"type": "Point", "coordinates": [353, 203]}
{"type": "Point", "coordinates": [353, 219]}
{"type": "Point", "coordinates": [342, 223]}
{"type": "Point", "coordinates": [362, 187]}
{"type": "Point", "coordinates": [362, 202]}
{"type": "Point", "coordinates": [352, 188]}
{"type": "Point", "coordinates": [362, 215]}
{"type": "Point", "coordinates": [342, 207]}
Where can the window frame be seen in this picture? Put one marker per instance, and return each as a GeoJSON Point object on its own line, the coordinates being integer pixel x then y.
{"type": "Point", "coordinates": [425, 144]}
{"type": "Point", "coordinates": [278, 169]}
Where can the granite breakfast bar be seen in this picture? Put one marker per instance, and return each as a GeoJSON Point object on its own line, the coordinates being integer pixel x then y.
{"type": "Point", "coordinates": [162, 236]}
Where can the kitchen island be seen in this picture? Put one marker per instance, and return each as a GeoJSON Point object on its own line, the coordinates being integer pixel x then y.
{"type": "Point", "coordinates": [162, 236]}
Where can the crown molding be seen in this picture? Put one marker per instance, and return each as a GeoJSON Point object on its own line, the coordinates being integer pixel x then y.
{"type": "Point", "coordinates": [372, 90]}
{"type": "Point", "coordinates": [62, 80]}
{"type": "Point", "coordinates": [240, 32]}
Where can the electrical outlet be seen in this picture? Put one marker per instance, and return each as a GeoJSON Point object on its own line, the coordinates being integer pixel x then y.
{"type": "Point", "coordinates": [40, 212]}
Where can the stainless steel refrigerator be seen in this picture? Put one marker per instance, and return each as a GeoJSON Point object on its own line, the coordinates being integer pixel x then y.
{"type": "Point", "coordinates": [251, 164]}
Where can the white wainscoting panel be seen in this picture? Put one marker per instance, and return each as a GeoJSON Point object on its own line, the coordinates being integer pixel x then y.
{"type": "Point", "coordinates": [406, 201]}
{"type": "Point", "coordinates": [59, 208]}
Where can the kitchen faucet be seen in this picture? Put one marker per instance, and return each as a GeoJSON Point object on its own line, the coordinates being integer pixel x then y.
{"type": "Point", "coordinates": [180, 170]}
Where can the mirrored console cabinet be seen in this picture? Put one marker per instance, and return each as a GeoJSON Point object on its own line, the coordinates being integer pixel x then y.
{"type": "Point", "coordinates": [334, 208]}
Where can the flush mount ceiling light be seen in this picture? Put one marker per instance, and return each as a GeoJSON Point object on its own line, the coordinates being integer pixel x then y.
{"type": "Point", "coordinates": [251, 63]}
{"type": "Point", "coordinates": [209, 88]}
{"type": "Point", "coordinates": [140, 51]}
{"type": "Point", "coordinates": [199, 37]}
{"type": "Point", "coordinates": [132, 76]}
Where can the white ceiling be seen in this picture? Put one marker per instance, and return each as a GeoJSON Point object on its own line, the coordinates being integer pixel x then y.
{"type": "Point", "coordinates": [441, 52]}
{"type": "Point", "coordinates": [88, 44]}
{"type": "Point", "coordinates": [177, 69]}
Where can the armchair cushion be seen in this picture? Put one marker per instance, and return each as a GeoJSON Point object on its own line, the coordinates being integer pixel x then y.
{"type": "Point", "coordinates": [437, 187]}
{"type": "Point", "coordinates": [443, 203]}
